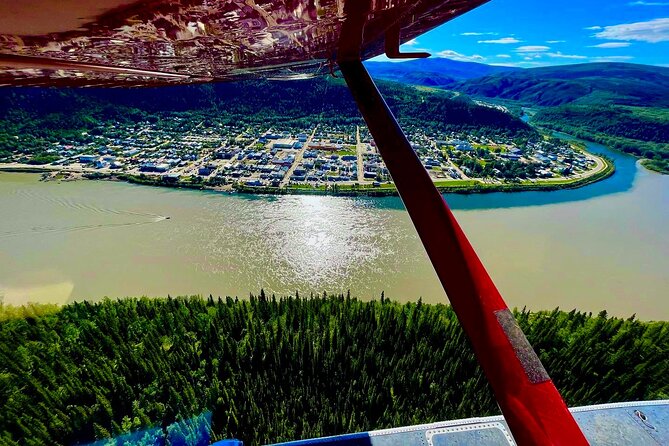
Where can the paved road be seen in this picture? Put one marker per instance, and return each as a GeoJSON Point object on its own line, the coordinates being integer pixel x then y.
{"type": "Point", "coordinates": [359, 146]}
{"type": "Point", "coordinates": [298, 159]}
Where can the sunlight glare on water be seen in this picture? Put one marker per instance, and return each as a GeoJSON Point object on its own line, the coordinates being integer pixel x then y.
{"type": "Point", "coordinates": [600, 247]}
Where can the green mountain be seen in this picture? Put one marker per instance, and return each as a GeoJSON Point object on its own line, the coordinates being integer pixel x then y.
{"type": "Point", "coordinates": [623, 106]}
{"type": "Point", "coordinates": [432, 72]}
{"type": "Point", "coordinates": [43, 116]}
{"type": "Point", "coordinates": [596, 83]}
{"type": "Point", "coordinates": [327, 99]}
{"type": "Point", "coordinates": [592, 83]}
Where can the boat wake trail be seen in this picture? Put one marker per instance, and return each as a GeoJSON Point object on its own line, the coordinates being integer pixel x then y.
{"type": "Point", "coordinates": [144, 218]}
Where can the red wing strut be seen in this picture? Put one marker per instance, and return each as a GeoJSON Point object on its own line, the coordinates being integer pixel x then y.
{"type": "Point", "coordinates": [532, 406]}
{"type": "Point", "coordinates": [113, 43]}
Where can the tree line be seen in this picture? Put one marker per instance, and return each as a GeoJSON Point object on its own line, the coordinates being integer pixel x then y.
{"type": "Point", "coordinates": [271, 369]}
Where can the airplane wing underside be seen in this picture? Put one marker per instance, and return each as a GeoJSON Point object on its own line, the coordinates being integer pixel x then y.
{"type": "Point", "coordinates": [108, 43]}
{"type": "Point", "coordinates": [121, 43]}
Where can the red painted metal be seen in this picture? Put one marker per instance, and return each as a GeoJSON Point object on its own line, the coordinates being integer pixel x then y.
{"type": "Point", "coordinates": [157, 42]}
{"type": "Point", "coordinates": [534, 411]}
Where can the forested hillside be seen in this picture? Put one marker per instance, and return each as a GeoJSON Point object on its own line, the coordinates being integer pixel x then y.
{"type": "Point", "coordinates": [593, 83]}
{"type": "Point", "coordinates": [31, 118]}
{"type": "Point", "coordinates": [273, 370]}
{"type": "Point", "coordinates": [432, 72]}
{"type": "Point", "coordinates": [623, 106]}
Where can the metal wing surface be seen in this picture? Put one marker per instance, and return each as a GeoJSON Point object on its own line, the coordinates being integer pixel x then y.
{"type": "Point", "coordinates": [116, 43]}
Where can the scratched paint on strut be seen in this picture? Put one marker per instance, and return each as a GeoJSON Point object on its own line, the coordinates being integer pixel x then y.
{"type": "Point", "coordinates": [533, 367]}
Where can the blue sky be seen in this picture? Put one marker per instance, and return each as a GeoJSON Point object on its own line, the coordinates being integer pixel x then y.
{"type": "Point", "coordinates": [530, 33]}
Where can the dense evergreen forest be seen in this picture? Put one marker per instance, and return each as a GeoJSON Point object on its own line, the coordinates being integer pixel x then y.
{"type": "Point", "coordinates": [278, 369]}
{"type": "Point", "coordinates": [582, 84]}
{"type": "Point", "coordinates": [250, 101]}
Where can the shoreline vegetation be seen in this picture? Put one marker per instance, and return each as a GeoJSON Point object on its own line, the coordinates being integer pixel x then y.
{"type": "Point", "coordinates": [271, 369]}
{"type": "Point", "coordinates": [648, 159]}
{"type": "Point", "coordinates": [470, 186]}
{"type": "Point", "coordinates": [224, 138]}
{"type": "Point", "coordinates": [658, 166]}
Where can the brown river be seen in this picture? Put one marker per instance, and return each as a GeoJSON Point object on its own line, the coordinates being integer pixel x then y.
{"type": "Point", "coordinates": [604, 246]}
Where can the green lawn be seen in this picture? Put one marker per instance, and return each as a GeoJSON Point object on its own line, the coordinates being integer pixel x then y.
{"type": "Point", "coordinates": [347, 151]}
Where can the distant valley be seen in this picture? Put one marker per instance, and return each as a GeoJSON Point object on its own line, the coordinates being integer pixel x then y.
{"type": "Point", "coordinates": [433, 72]}
{"type": "Point", "coordinates": [625, 106]}
{"type": "Point", "coordinates": [592, 84]}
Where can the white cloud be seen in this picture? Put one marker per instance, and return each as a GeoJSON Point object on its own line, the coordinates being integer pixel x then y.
{"type": "Point", "coordinates": [559, 55]}
{"type": "Point", "coordinates": [652, 31]}
{"type": "Point", "coordinates": [412, 42]}
{"type": "Point", "coordinates": [611, 59]}
{"type": "Point", "coordinates": [555, 41]}
{"type": "Point", "coordinates": [642, 3]}
{"type": "Point", "coordinates": [593, 27]}
{"type": "Point", "coordinates": [502, 41]}
{"type": "Point", "coordinates": [612, 45]}
{"type": "Point", "coordinates": [532, 49]}
{"type": "Point", "coordinates": [503, 56]}
{"type": "Point", "coordinates": [450, 54]}
{"type": "Point", "coordinates": [478, 34]}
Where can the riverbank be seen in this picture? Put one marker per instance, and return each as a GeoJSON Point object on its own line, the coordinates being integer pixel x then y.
{"type": "Point", "coordinates": [573, 248]}
{"type": "Point", "coordinates": [659, 166]}
{"type": "Point", "coordinates": [605, 168]}
{"type": "Point", "coordinates": [656, 162]}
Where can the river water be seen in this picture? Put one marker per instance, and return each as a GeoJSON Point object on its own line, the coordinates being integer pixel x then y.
{"type": "Point", "coordinates": [604, 246]}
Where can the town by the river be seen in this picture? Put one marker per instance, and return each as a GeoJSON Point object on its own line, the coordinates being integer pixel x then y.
{"type": "Point", "coordinates": [603, 246]}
